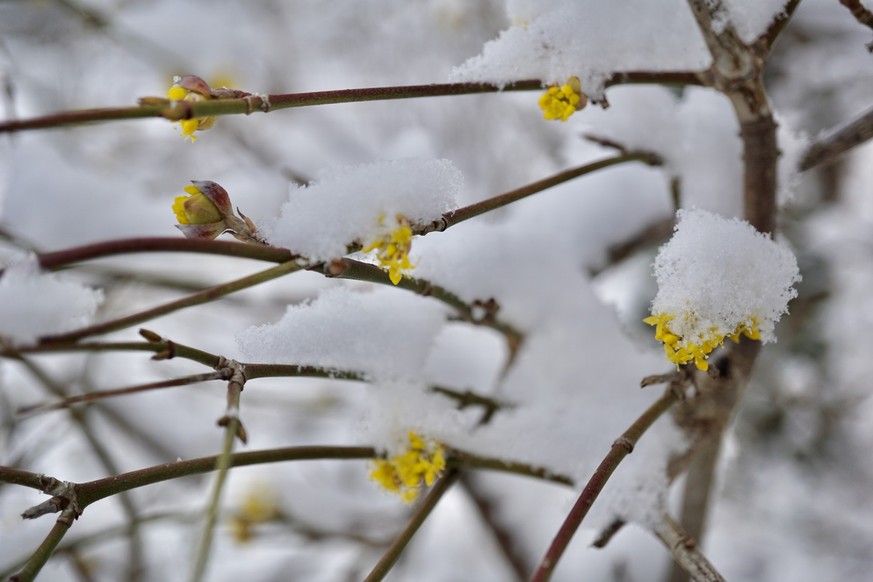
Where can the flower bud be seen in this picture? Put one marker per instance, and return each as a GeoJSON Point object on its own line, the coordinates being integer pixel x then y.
{"type": "Point", "coordinates": [206, 212]}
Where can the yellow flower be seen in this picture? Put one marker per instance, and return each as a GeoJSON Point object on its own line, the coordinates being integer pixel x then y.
{"type": "Point", "coordinates": [195, 207]}
{"type": "Point", "coordinates": [681, 350]}
{"type": "Point", "coordinates": [392, 249]}
{"type": "Point", "coordinates": [562, 102]}
{"type": "Point", "coordinates": [192, 89]}
{"type": "Point", "coordinates": [407, 473]}
{"type": "Point", "coordinates": [259, 506]}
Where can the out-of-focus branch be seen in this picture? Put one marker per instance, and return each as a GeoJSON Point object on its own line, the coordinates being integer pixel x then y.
{"type": "Point", "coordinates": [686, 552]}
{"type": "Point", "coordinates": [862, 14]}
{"type": "Point", "coordinates": [769, 38]}
{"type": "Point", "coordinates": [96, 395]}
{"type": "Point", "coordinates": [502, 535]}
{"type": "Point", "coordinates": [199, 298]}
{"type": "Point", "coordinates": [838, 141]}
{"type": "Point", "coordinates": [101, 452]}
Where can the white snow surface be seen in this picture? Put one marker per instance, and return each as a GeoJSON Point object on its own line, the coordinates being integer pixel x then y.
{"type": "Point", "coordinates": [384, 333]}
{"type": "Point", "coordinates": [591, 40]}
{"type": "Point", "coordinates": [34, 303]}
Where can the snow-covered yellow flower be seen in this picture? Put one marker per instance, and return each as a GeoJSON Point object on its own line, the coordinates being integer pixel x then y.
{"type": "Point", "coordinates": [392, 249]}
{"type": "Point", "coordinates": [718, 278]}
{"type": "Point", "coordinates": [410, 471]}
{"type": "Point", "coordinates": [682, 350]}
{"type": "Point", "coordinates": [191, 88]}
{"type": "Point", "coordinates": [562, 102]}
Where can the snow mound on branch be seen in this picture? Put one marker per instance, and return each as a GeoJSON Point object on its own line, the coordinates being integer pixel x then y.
{"type": "Point", "coordinates": [717, 273]}
{"type": "Point", "coordinates": [344, 206]}
{"type": "Point", "coordinates": [591, 40]}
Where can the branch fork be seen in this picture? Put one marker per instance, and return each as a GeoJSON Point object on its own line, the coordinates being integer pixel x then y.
{"type": "Point", "coordinates": [64, 499]}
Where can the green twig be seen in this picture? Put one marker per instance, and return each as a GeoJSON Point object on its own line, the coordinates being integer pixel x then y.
{"type": "Point", "coordinates": [42, 554]}
{"type": "Point", "coordinates": [233, 427]}
{"type": "Point", "coordinates": [199, 298]}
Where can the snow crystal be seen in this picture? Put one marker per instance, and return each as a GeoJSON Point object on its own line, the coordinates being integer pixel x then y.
{"type": "Point", "coordinates": [589, 39]}
{"type": "Point", "coordinates": [345, 205]}
{"type": "Point", "coordinates": [383, 333]}
{"type": "Point", "coordinates": [34, 304]}
{"type": "Point", "coordinates": [716, 274]}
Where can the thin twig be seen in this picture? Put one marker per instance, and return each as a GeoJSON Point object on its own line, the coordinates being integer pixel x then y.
{"type": "Point", "coordinates": [233, 427]}
{"type": "Point", "coordinates": [467, 212]}
{"type": "Point", "coordinates": [199, 298]}
{"type": "Point", "coordinates": [502, 535]}
{"type": "Point", "coordinates": [353, 270]}
{"type": "Point", "coordinates": [686, 552]}
{"type": "Point", "coordinates": [838, 140]}
{"type": "Point", "coordinates": [135, 557]}
{"type": "Point", "coordinates": [381, 569]}
{"type": "Point", "coordinates": [57, 259]}
{"type": "Point", "coordinates": [471, 461]}
{"type": "Point", "coordinates": [96, 395]}
{"type": "Point", "coordinates": [622, 447]}
{"type": "Point", "coordinates": [42, 554]}
{"type": "Point", "coordinates": [93, 491]}
{"type": "Point", "coordinates": [862, 14]}
{"type": "Point", "coordinates": [176, 111]}
{"type": "Point", "coordinates": [774, 31]}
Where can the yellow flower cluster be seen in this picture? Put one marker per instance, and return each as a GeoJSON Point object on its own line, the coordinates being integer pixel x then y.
{"type": "Point", "coordinates": [681, 351]}
{"type": "Point", "coordinates": [258, 507]}
{"type": "Point", "coordinates": [392, 249]}
{"type": "Point", "coordinates": [409, 472]}
{"type": "Point", "coordinates": [562, 102]}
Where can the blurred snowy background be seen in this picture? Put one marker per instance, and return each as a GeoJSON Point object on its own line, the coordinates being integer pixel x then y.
{"type": "Point", "coordinates": [793, 499]}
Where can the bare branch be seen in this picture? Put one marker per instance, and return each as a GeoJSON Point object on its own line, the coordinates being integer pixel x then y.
{"type": "Point", "coordinates": [622, 447]}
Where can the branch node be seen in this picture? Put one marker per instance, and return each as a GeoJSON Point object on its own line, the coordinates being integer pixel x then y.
{"type": "Point", "coordinates": [63, 499]}
{"type": "Point", "coordinates": [625, 443]}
